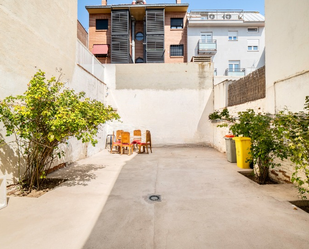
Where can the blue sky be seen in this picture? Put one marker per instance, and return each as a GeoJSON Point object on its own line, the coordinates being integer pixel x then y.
{"type": "Point", "coordinates": [257, 5]}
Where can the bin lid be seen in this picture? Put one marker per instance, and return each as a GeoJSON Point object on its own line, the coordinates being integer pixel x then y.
{"type": "Point", "coordinates": [242, 138]}
{"type": "Point", "coordinates": [229, 135]}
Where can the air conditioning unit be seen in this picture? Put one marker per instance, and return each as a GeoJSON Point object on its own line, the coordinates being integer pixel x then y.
{"type": "Point", "coordinates": [211, 16]}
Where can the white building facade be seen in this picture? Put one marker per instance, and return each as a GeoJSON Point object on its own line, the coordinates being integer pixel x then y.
{"type": "Point", "coordinates": [232, 39]}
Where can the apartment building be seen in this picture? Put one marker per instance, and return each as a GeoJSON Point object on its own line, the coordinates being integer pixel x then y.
{"type": "Point", "coordinates": [232, 39]}
{"type": "Point", "coordinates": [138, 32]}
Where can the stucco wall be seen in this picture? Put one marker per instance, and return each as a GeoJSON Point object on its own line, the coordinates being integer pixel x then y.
{"type": "Point", "coordinates": [171, 100]}
{"type": "Point", "coordinates": [35, 35]}
{"type": "Point", "coordinates": [287, 37]}
{"type": "Point", "coordinates": [42, 35]}
{"type": "Point", "coordinates": [220, 102]}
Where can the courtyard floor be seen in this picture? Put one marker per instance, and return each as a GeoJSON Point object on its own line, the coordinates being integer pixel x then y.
{"type": "Point", "coordinates": [205, 203]}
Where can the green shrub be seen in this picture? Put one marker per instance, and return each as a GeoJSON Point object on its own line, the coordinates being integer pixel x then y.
{"type": "Point", "coordinates": [44, 117]}
{"type": "Point", "coordinates": [265, 146]}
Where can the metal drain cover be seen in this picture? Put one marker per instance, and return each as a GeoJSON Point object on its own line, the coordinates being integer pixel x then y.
{"type": "Point", "coordinates": [156, 198]}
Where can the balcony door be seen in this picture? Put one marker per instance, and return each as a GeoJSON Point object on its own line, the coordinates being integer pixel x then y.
{"type": "Point", "coordinates": [206, 37]}
{"type": "Point", "coordinates": [234, 66]}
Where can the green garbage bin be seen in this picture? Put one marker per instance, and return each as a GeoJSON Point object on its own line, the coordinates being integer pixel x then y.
{"type": "Point", "coordinates": [230, 148]}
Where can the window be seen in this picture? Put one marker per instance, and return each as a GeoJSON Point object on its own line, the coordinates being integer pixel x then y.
{"type": "Point", "coordinates": [233, 35]}
{"type": "Point", "coordinates": [253, 45]}
{"type": "Point", "coordinates": [234, 66]}
{"type": "Point", "coordinates": [176, 23]}
{"type": "Point", "coordinates": [253, 30]}
{"type": "Point", "coordinates": [139, 60]}
{"type": "Point", "coordinates": [101, 24]}
{"type": "Point", "coordinates": [176, 50]}
{"type": "Point", "coordinates": [206, 36]}
{"type": "Point", "coordinates": [139, 36]}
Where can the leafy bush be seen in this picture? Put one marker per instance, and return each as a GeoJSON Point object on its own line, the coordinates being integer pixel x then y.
{"type": "Point", "coordinates": [294, 128]}
{"type": "Point", "coordinates": [265, 145]}
{"type": "Point", "coordinates": [45, 116]}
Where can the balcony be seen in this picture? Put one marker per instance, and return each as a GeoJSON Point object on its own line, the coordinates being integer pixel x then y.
{"type": "Point", "coordinates": [207, 47]}
{"type": "Point", "coordinates": [239, 72]}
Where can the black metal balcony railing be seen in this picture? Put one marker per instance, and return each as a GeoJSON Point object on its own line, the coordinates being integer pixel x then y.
{"type": "Point", "coordinates": [235, 71]}
{"type": "Point", "coordinates": [207, 46]}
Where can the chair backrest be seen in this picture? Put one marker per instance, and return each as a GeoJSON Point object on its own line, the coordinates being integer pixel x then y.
{"type": "Point", "coordinates": [148, 136]}
{"type": "Point", "coordinates": [137, 133]}
{"type": "Point", "coordinates": [125, 137]}
{"type": "Point", "coordinates": [118, 134]}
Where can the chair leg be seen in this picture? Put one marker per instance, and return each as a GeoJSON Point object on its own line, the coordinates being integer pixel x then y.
{"type": "Point", "coordinates": [130, 150]}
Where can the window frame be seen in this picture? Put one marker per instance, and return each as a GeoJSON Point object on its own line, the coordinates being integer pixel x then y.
{"type": "Point", "coordinates": [232, 36]}
{"type": "Point", "coordinates": [205, 34]}
{"type": "Point", "coordinates": [177, 45]}
{"type": "Point", "coordinates": [233, 63]}
{"type": "Point", "coordinates": [175, 27]}
{"type": "Point", "coordinates": [101, 29]}
{"type": "Point", "coordinates": [253, 45]}
{"type": "Point", "coordinates": [136, 35]}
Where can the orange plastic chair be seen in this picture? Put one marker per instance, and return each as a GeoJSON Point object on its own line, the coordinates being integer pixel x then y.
{"type": "Point", "coordinates": [146, 144]}
{"type": "Point", "coordinates": [125, 142]}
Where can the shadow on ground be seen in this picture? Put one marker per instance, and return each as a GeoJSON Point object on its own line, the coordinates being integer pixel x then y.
{"type": "Point", "coordinates": [77, 174]}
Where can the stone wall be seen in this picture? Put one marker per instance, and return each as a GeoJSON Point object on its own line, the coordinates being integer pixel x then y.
{"type": "Point", "coordinates": [249, 88]}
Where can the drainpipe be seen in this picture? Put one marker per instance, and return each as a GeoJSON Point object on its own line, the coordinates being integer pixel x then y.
{"type": "Point", "coordinates": [133, 40]}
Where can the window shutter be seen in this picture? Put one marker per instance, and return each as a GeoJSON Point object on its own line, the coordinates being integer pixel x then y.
{"type": "Point", "coordinates": [253, 42]}
{"type": "Point", "coordinates": [120, 44]}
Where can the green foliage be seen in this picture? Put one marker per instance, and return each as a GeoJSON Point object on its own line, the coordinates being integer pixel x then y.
{"type": "Point", "coordinates": [265, 145]}
{"type": "Point", "coordinates": [294, 128]}
{"type": "Point", "coordinates": [215, 115]}
{"type": "Point", "coordinates": [45, 116]}
{"type": "Point", "coordinates": [224, 115]}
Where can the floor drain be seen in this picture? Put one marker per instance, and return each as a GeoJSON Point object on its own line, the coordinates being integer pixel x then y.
{"type": "Point", "coordinates": [155, 198]}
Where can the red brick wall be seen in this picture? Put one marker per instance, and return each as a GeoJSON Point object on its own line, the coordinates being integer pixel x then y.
{"type": "Point", "coordinates": [100, 36]}
{"type": "Point", "coordinates": [82, 34]}
{"type": "Point", "coordinates": [139, 49]}
{"type": "Point", "coordinates": [175, 37]}
{"type": "Point", "coordinates": [172, 36]}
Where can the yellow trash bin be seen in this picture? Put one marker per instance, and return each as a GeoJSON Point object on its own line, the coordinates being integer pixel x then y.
{"type": "Point", "coordinates": [243, 145]}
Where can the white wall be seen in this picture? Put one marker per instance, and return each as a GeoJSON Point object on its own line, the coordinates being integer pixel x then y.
{"type": "Point", "coordinates": [94, 89]}
{"type": "Point", "coordinates": [35, 35]}
{"type": "Point", "coordinates": [287, 57]}
{"type": "Point", "coordinates": [230, 50]}
{"type": "Point", "coordinates": [171, 100]}
{"type": "Point", "coordinates": [42, 35]}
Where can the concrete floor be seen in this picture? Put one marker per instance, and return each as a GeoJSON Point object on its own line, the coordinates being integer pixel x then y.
{"type": "Point", "coordinates": [205, 203]}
